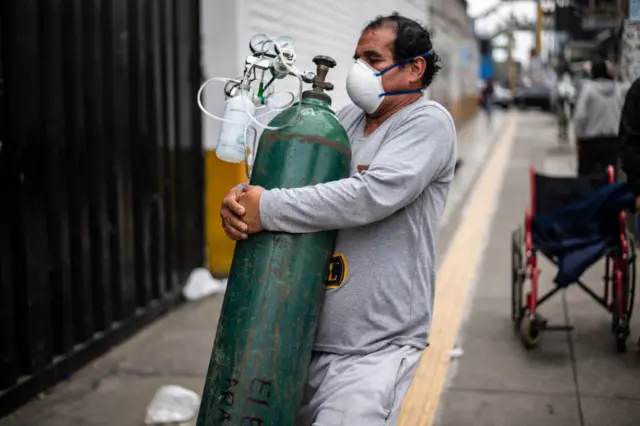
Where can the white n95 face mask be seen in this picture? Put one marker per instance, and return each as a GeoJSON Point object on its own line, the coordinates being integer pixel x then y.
{"type": "Point", "coordinates": [364, 84]}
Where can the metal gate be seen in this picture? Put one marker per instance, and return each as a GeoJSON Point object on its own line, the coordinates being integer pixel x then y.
{"type": "Point", "coordinates": [101, 178]}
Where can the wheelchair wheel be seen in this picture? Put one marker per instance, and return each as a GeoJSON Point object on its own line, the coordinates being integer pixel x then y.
{"type": "Point", "coordinates": [631, 276]}
{"type": "Point", "coordinates": [620, 324]}
{"type": "Point", "coordinates": [622, 334]}
{"type": "Point", "coordinates": [517, 275]}
{"type": "Point", "coordinates": [532, 330]}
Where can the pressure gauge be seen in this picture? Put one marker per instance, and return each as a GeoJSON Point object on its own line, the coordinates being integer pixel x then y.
{"type": "Point", "coordinates": [259, 44]}
{"type": "Point", "coordinates": [285, 42]}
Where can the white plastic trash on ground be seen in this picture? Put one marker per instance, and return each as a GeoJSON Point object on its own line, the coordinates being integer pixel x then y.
{"type": "Point", "coordinates": [456, 353]}
{"type": "Point", "coordinates": [172, 405]}
{"type": "Point", "coordinates": [201, 284]}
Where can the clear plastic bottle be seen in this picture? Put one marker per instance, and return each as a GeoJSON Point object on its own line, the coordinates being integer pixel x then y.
{"type": "Point", "coordinates": [231, 144]}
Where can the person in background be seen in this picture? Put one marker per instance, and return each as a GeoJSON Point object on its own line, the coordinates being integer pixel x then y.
{"type": "Point", "coordinates": [487, 98]}
{"type": "Point", "coordinates": [599, 105]}
{"type": "Point", "coordinates": [629, 133]}
{"type": "Point", "coordinates": [630, 144]}
{"type": "Point", "coordinates": [565, 93]}
{"type": "Point", "coordinates": [597, 120]}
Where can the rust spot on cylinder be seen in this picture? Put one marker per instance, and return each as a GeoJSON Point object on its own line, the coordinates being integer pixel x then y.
{"type": "Point", "coordinates": [279, 137]}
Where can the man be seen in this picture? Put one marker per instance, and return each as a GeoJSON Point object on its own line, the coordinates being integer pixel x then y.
{"type": "Point", "coordinates": [599, 105]}
{"type": "Point", "coordinates": [564, 96]}
{"type": "Point", "coordinates": [630, 143]}
{"type": "Point", "coordinates": [374, 323]}
{"type": "Point", "coordinates": [488, 97]}
{"type": "Point", "coordinates": [597, 120]}
{"type": "Point", "coordinates": [630, 139]}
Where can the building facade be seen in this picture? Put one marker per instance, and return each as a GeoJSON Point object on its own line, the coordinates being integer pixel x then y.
{"type": "Point", "coordinates": [456, 86]}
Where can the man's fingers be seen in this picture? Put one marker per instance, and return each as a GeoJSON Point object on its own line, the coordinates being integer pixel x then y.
{"type": "Point", "coordinates": [234, 234]}
{"type": "Point", "coordinates": [235, 223]}
{"type": "Point", "coordinates": [236, 208]}
{"type": "Point", "coordinates": [235, 228]}
{"type": "Point", "coordinates": [231, 202]}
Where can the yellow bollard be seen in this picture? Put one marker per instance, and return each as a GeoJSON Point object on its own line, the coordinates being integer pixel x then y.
{"type": "Point", "coordinates": [220, 176]}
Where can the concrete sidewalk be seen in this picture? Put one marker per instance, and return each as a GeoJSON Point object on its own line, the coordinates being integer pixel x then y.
{"type": "Point", "coordinates": [572, 378]}
{"type": "Point", "coordinates": [116, 389]}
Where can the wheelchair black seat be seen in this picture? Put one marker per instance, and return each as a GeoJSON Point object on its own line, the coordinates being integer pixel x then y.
{"type": "Point", "coordinates": [551, 193]}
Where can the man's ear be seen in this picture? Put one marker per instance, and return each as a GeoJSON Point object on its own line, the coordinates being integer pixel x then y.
{"type": "Point", "coordinates": [418, 68]}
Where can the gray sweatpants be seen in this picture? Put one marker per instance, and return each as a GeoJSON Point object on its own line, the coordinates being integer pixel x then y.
{"type": "Point", "coordinates": [350, 390]}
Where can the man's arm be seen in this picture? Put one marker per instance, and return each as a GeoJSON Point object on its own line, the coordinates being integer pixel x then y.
{"type": "Point", "coordinates": [581, 115]}
{"type": "Point", "coordinates": [630, 137]}
{"type": "Point", "coordinates": [414, 155]}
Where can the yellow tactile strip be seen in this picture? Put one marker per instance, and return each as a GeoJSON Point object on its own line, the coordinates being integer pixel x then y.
{"type": "Point", "coordinates": [455, 278]}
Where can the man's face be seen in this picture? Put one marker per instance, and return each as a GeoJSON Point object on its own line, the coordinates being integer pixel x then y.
{"type": "Point", "coordinates": [375, 47]}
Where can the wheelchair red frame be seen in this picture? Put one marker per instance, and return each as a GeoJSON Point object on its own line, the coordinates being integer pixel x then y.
{"type": "Point", "coordinates": [619, 281]}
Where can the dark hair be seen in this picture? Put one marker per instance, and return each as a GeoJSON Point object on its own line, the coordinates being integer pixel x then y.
{"type": "Point", "coordinates": [412, 40]}
{"type": "Point", "coordinates": [599, 69]}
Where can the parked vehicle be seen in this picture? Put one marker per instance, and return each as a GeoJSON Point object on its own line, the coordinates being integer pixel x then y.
{"type": "Point", "coordinates": [534, 96]}
{"type": "Point", "coordinates": [502, 96]}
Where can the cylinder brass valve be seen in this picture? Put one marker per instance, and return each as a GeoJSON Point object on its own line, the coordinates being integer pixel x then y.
{"type": "Point", "coordinates": [324, 63]}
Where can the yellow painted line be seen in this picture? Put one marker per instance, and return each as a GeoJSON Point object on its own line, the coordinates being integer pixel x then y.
{"type": "Point", "coordinates": [455, 278]}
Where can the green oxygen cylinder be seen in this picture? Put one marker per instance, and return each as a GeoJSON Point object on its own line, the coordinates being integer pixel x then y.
{"type": "Point", "coordinates": [262, 350]}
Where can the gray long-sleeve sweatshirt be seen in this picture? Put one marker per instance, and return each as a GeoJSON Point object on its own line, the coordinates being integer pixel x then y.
{"type": "Point", "coordinates": [599, 109]}
{"type": "Point", "coordinates": [381, 284]}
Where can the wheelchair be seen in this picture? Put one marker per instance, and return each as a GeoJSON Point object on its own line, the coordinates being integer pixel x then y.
{"type": "Point", "coordinates": [549, 193]}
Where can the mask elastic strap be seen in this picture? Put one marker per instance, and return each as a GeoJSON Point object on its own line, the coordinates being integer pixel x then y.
{"type": "Point", "coordinates": [379, 73]}
{"type": "Point", "coordinates": [406, 92]}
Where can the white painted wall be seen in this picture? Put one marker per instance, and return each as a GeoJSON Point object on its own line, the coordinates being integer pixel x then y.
{"type": "Point", "coordinates": [220, 58]}
{"type": "Point", "coordinates": [453, 40]}
{"type": "Point", "coordinates": [327, 27]}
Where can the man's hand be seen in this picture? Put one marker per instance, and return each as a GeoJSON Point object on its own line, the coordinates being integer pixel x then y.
{"type": "Point", "coordinates": [250, 200]}
{"type": "Point", "coordinates": [638, 205]}
{"type": "Point", "coordinates": [231, 214]}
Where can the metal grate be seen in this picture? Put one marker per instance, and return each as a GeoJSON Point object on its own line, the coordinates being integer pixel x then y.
{"type": "Point", "coordinates": [100, 178]}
